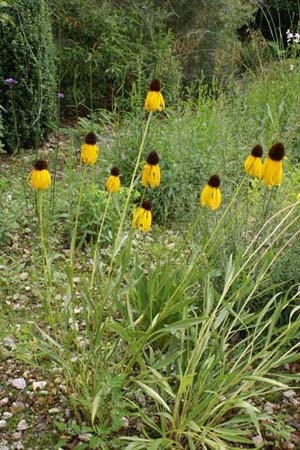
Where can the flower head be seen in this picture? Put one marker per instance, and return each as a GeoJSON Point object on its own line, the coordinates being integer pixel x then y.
{"type": "Point", "coordinates": [60, 95]}
{"type": "Point", "coordinates": [211, 193]}
{"type": "Point", "coordinates": [272, 172]}
{"type": "Point", "coordinates": [142, 216]}
{"type": "Point", "coordinates": [151, 171]}
{"type": "Point", "coordinates": [253, 164]}
{"type": "Point", "coordinates": [40, 177]}
{"type": "Point", "coordinates": [154, 99]}
{"type": "Point", "coordinates": [10, 81]}
{"type": "Point", "coordinates": [89, 150]}
{"type": "Point", "coordinates": [113, 181]}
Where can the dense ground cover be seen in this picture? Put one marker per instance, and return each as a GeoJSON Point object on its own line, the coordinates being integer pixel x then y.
{"type": "Point", "coordinates": [177, 338]}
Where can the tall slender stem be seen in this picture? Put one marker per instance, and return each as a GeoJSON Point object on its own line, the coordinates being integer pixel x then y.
{"type": "Point", "coordinates": [130, 189]}
{"type": "Point", "coordinates": [98, 241]}
{"type": "Point", "coordinates": [74, 234]}
{"type": "Point", "coordinates": [47, 274]}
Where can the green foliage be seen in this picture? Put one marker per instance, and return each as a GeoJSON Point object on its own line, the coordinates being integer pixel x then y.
{"type": "Point", "coordinates": [112, 54]}
{"type": "Point", "coordinates": [91, 215]}
{"type": "Point", "coordinates": [28, 56]}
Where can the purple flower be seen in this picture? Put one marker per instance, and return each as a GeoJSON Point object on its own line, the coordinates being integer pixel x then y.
{"type": "Point", "coordinates": [60, 95]}
{"type": "Point", "coordinates": [145, 7]}
{"type": "Point", "coordinates": [10, 81]}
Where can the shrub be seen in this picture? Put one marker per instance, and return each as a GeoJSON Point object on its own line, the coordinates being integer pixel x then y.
{"type": "Point", "coordinates": [27, 56]}
{"type": "Point", "coordinates": [105, 55]}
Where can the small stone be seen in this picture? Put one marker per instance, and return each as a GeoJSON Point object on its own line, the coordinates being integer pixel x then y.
{"type": "Point", "coordinates": [289, 394]}
{"type": "Point", "coordinates": [17, 406]}
{"type": "Point", "coordinates": [4, 401]}
{"type": "Point", "coordinates": [24, 276]}
{"type": "Point", "coordinates": [18, 446]}
{"type": "Point", "coordinates": [7, 415]}
{"type": "Point", "coordinates": [22, 425]}
{"type": "Point", "coordinates": [39, 385]}
{"type": "Point", "coordinates": [85, 437]}
{"type": "Point", "coordinates": [9, 342]}
{"type": "Point", "coordinates": [17, 435]}
{"type": "Point", "coordinates": [18, 383]}
{"type": "Point", "coordinates": [4, 447]}
{"type": "Point", "coordinates": [258, 440]}
{"type": "Point", "coordinates": [3, 424]}
{"type": "Point", "coordinates": [54, 411]}
{"type": "Point", "coordinates": [269, 407]}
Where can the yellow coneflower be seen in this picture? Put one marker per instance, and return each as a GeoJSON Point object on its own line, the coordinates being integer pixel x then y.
{"type": "Point", "coordinates": [151, 171]}
{"type": "Point", "coordinates": [142, 216]}
{"type": "Point", "coordinates": [272, 173]}
{"type": "Point", "coordinates": [154, 99]}
{"type": "Point", "coordinates": [113, 181]}
{"type": "Point", "coordinates": [211, 194]}
{"type": "Point", "coordinates": [89, 150]}
{"type": "Point", "coordinates": [253, 164]}
{"type": "Point", "coordinates": [40, 177]}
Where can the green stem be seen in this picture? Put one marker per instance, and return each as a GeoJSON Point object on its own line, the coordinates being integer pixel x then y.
{"type": "Point", "coordinates": [45, 259]}
{"type": "Point", "coordinates": [74, 234]}
{"type": "Point", "coordinates": [98, 241]}
{"type": "Point", "coordinates": [130, 189]}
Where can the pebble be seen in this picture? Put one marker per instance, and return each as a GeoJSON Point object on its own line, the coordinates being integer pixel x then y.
{"type": "Point", "coordinates": [9, 342]}
{"type": "Point", "coordinates": [3, 402]}
{"type": "Point", "coordinates": [22, 425]}
{"type": "Point", "coordinates": [24, 276]}
{"type": "Point", "coordinates": [17, 435]}
{"type": "Point", "coordinates": [54, 411]}
{"type": "Point", "coordinates": [85, 437]}
{"type": "Point", "coordinates": [289, 394]}
{"type": "Point", "coordinates": [18, 383]}
{"type": "Point", "coordinates": [3, 424]}
{"type": "Point", "coordinates": [39, 385]}
{"type": "Point", "coordinates": [17, 406]}
{"type": "Point", "coordinates": [7, 415]}
{"type": "Point", "coordinates": [258, 440]}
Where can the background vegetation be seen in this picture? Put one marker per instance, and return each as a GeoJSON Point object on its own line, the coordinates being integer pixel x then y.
{"type": "Point", "coordinates": [183, 337]}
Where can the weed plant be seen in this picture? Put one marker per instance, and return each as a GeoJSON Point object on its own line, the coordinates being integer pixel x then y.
{"type": "Point", "coordinates": [173, 338]}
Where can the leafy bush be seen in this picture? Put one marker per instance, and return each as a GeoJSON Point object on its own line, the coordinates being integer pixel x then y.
{"type": "Point", "coordinates": [105, 55]}
{"type": "Point", "coordinates": [27, 56]}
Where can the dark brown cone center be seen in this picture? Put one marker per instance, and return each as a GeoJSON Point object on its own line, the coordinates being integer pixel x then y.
{"type": "Point", "coordinates": [115, 171]}
{"type": "Point", "coordinates": [147, 205]}
{"type": "Point", "coordinates": [153, 158]}
{"type": "Point", "coordinates": [214, 181]}
{"type": "Point", "coordinates": [277, 152]}
{"type": "Point", "coordinates": [257, 151]}
{"type": "Point", "coordinates": [40, 164]}
{"type": "Point", "coordinates": [155, 85]}
{"type": "Point", "coordinates": [90, 138]}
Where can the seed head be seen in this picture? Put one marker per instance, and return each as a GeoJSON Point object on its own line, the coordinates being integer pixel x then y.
{"type": "Point", "coordinates": [153, 158]}
{"type": "Point", "coordinates": [257, 151]}
{"type": "Point", "coordinates": [90, 138]}
{"type": "Point", "coordinates": [214, 181]}
{"type": "Point", "coordinates": [147, 205]}
{"type": "Point", "coordinates": [155, 85]}
{"type": "Point", "coordinates": [40, 164]}
{"type": "Point", "coordinates": [277, 152]}
{"type": "Point", "coordinates": [115, 171]}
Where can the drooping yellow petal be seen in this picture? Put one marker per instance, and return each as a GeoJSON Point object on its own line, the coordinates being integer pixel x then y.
{"type": "Point", "coordinates": [113, 184]}
{"type": "Point", "coordinates": [142, 219]}
{"type": "Point", "coordinates": [40, 179]}
{"type": "Point", "coordinates": [154, 101]}
{"type": "Point", "coordinates": [89, 154]}
{"type": "Point", "coordinates": [253, 166]}
{"type": "Point", "coordinates": [211, 197]}
{"type": "Point", "coordinates": [151, 175]}
{"type": "Point", "coordinates": [272, 172]}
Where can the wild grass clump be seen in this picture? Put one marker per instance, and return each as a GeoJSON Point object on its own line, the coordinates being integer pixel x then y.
{"type": "Point", "coordinates": [173, 338]}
